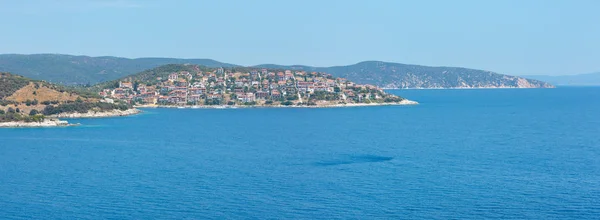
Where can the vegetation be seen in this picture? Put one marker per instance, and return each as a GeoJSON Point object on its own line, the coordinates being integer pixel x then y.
{"type": "Point", "coordinates": [9, 84]}
{"type": "Point", "coordinates": [84, 70]}
{"type": "Point", "coordinates": [396, 75]}
{"type": "Point", "coordinates": [13, 115]}
{"type": "Point", "coordinates": [82, 107]}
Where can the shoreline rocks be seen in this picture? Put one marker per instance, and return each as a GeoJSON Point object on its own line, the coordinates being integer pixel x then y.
{"type": "Point", "coordinates": [46, 123]}
{"type": "Point", "coordinates": [403, 102]}
{"type": "Point", "coordinates": [93, 114]}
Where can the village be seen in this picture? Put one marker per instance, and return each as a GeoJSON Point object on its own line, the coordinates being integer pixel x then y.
{"type": "Point", "coordinates": [260, 87]}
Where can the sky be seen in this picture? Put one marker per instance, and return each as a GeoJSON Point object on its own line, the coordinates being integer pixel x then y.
{"type": "Point", "coordinates": [517, 37]}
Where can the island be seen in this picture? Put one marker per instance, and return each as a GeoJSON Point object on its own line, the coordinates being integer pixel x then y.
{"type": "Point", "coordinates": [32, 103]}
{"type": "Point", "coordinates": [195, 86]}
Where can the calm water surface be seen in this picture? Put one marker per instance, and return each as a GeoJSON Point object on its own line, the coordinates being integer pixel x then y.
{"type": "Point", "coordinates": [464, 154]}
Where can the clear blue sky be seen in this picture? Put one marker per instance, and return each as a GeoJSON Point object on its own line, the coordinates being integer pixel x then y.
{"type": "Point", "coordinates": [507, 36]}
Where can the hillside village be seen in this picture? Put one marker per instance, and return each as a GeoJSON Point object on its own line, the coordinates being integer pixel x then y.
{"type": "Point", "coordinates": [263, 87]}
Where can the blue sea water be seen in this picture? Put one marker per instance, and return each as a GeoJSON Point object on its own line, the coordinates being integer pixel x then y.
{"type": "Point", "coordinates": [460, 154]}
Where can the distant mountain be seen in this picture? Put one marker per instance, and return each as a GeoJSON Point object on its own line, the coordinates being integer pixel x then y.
{"type": "Point", "coordinates": [590, 79]}
{"type": "Point", "coordinates": [395, 75]}
{"type": "Point", "coordinates": [68, 69]}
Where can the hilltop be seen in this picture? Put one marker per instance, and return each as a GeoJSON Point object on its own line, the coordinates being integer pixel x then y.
{"type": "Point", "coordinates": [24, 99]}
{"type": "Point", "coordinates": [67, 69]}
{"type": "Point", "coordinates": [194, 85]}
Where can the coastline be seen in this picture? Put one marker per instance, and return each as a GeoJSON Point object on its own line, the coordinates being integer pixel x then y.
{"type": "Point", "coordinates": [93, 114]}
{"type": "Point", "coordinates": [403, 102]}
{"type": "Point", "coordinates": [54, 121]}
{"type": "Point", "coordinates": [46, 123]}
{"type": "Point", "coordinates": [465, 88]}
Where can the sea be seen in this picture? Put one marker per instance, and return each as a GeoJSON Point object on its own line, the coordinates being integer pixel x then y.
{"type": "Point", "coordinates": [459, 154]}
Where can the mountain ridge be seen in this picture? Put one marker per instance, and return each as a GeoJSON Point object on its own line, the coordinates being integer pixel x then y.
{"type": "Point", "coordinates": [70, 69]}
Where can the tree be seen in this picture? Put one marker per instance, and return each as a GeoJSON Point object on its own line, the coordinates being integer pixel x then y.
{"type": "Point", "coordinates": [33, 112]}
{"type": "Point", "coordinates": [11, 110]}
{"type": "Point", "coordinates": [2, 112]}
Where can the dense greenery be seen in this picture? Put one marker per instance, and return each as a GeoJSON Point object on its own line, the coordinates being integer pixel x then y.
{"type": "Point", "coordinates": [15, 115]}
{"type": "Point", "coordinates": [149, 77]}
{"type": "Point", "coordinates": [396, 75]}
{"type": "Point", "coordinates": [9, 84]}
{"type": "Point", "coordinates": [71, 70]}
{"type": "Point", "coordinates": [322, 95]}
{"type": "Point", "coordinates": [82, 107]}
{"type": "Point", "coordinates": [82, 70]}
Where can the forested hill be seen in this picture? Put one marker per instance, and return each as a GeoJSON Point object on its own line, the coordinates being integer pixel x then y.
{"type": "Point", "coordinates": [396, 75]}
{"type": "Point", "coordinates": [69, 70]}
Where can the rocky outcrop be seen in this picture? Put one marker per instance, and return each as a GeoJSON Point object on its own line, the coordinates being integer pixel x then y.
{"type": "Point", "coordinates": [94, 114]}
{"type": "Point", "coordinates": [45, 123]}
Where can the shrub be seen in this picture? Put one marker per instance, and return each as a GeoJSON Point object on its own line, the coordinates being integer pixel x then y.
{"type": "Point", "coordinates": [33, 112]}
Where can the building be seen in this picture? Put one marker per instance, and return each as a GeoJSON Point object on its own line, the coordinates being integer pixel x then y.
{"type": "Point", "coordinates": [173, 77]}
{"type": "Point", "coordinates": [248, 97]}
{"type": "Point", "coordinates": [125, 85]}
{"type": "Point", "coordinates": [275, 95]}
{"type": "Point", "coordinates": [262, 95]}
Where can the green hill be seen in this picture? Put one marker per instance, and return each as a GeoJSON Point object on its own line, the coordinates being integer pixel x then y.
{"type": "Point", "coordinates": [69, 70]}
{"type": "Point", "coordinates": [395, 75]}
{"type": "Point", "coordinates": [24, 99]}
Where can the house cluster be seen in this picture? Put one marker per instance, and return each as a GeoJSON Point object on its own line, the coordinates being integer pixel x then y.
{"type": "Point", "coordinates": [260, 86]}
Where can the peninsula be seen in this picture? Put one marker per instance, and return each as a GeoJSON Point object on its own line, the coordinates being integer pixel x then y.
{"type": "Point", "coordinates": [181, 85]}
{"type": "Point", "coordinates": [32, 103]}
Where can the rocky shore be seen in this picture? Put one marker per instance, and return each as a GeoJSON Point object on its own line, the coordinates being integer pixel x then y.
{"type": "Point", "coordinates": [46, 123]}
{"type": "Point", "coordinates": [93, 114]}
{"type": "Point", "coordinates": [403, 102]}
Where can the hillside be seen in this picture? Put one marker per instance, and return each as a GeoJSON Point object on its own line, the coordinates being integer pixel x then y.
{"type": "Point", "coordinates": [395, 75]}
{"type": "Point", "coordinates": [194, 85]}
{"type": "Point", "coordinates": [68, 69]}
{"type": "Point", "coordinates": [590, 79]}
{"type": "Point", "coordinates": [23, 99]}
